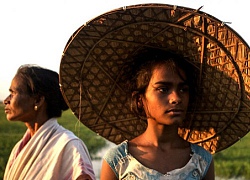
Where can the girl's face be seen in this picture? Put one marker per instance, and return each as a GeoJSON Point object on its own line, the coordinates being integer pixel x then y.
{"type": "Point", "coordinates": [166, 97]}
{"type": "Point", "coordinates": [19, 105]}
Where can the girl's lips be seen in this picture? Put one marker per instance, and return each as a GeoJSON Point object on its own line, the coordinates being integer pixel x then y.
{"type": "Point", "coordinates": [175, 111]}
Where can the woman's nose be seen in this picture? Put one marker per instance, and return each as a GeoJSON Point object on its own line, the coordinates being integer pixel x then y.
{"type": "Point", "coordinates": [7, 100]}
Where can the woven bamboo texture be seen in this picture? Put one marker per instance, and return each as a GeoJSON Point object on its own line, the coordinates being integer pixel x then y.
{"type": "Point", "coordinates": [94, 57]}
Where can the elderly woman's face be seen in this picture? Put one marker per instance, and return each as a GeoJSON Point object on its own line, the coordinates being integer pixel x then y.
{"type": "Point", "coordinates": [19, 105]}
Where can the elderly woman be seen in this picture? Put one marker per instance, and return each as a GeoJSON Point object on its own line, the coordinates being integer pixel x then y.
{"type": "Point", "coordinates": [47, 150]}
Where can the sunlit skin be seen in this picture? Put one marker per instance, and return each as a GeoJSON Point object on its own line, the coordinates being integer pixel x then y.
{"type": "Point", "coordinates": [19, 106]}
{"type": "Point", "coordinates": [166, 98]}
{"type": "Point", "coordinates": [160, 147]}
{"type": "Point", "coordinates": [165, 102]}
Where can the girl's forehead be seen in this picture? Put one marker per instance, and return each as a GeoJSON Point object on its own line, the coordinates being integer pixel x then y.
{"type": "Point", "coordinates": [163, 70]}
{"type": "Point", "coordinates": [168, 67]}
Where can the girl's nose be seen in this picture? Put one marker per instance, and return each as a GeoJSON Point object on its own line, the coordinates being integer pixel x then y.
{"type": "Point", "coordinates": [174, 98]}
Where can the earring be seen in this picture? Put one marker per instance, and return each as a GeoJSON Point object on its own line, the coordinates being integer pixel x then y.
{"type": "Point", "coordinates": [35, 108]}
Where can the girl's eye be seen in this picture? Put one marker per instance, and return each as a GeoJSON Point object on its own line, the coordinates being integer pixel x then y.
{"type": "Point", "coordinates": [184, 89]}
{"type": "Point", "coordinates": [163, 89]}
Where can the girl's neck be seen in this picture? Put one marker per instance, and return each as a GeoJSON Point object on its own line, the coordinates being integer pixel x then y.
{"type": "Point", "coordinates": [163, 136]}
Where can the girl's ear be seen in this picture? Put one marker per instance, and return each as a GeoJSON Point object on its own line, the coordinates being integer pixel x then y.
{"type": "Point", "coordinates": [136, 99]}
{"type": "Point", "coordinates": [139, 102]}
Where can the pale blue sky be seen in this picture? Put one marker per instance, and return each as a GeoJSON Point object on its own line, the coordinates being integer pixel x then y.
{"type": "Point", "coordinates": [36, 31]}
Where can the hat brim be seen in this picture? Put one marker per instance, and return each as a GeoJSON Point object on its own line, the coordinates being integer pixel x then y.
{"type": "Point", "coordinates": [94, 58]}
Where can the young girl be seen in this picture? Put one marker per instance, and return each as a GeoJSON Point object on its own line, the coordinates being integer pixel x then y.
{"type": "Point", "coordinates": [161, 92]}
{"type": "Point", "coordinates": [104, 57]}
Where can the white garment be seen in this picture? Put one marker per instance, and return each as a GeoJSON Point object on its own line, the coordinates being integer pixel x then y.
{"type": "Point", "coordinates": [52, 153]}
{"type": "Point", "coordinates": [125, 166]}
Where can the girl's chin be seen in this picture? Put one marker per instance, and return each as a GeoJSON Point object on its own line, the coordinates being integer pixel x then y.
{"type": "Point", "coordinates": [177, 120]}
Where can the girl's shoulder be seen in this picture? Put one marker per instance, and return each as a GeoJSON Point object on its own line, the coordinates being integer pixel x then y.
{"type": "Point", "coordinates": [202, 153]}
{"type": "Point", "coordinates": [199, 149]}
{"type": "Point", "coordinates": [117, 152]}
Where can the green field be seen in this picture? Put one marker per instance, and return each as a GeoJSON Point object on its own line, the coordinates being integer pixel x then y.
{"type": "Point", "coordinates": [233, 162]}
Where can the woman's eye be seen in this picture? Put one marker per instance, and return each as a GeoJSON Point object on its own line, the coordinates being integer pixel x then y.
{"type": "Point", "coordinates": [10, 96]}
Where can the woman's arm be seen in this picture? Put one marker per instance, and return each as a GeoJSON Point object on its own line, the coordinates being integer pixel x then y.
{"type": "Point", "coordinates": [84, 177]}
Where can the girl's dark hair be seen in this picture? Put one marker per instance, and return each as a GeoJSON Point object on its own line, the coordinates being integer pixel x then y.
{"type": "Point", "coordinates": [44, 82]}
{"type": "Point", "coordinates": [139, 72]}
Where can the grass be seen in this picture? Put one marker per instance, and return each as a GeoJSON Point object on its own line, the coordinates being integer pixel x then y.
{"type": "Point", "coordinates": [234, 162]}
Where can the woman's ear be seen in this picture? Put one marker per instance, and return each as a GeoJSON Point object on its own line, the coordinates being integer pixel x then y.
{"type": "Point", "coordinates": [39, 101]}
